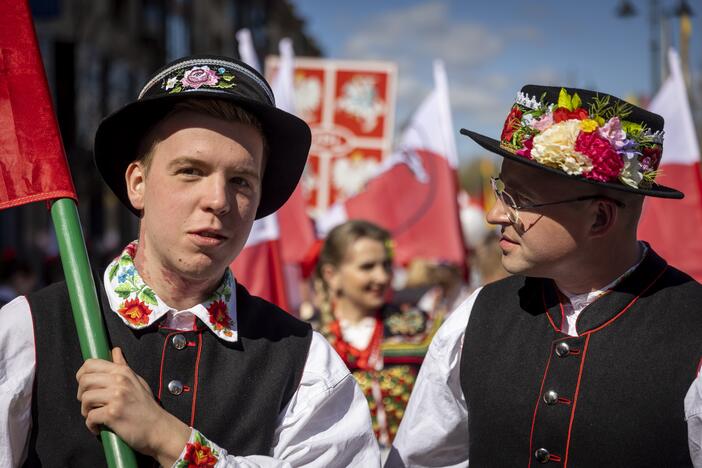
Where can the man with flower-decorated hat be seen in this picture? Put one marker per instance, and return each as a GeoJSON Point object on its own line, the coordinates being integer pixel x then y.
{"type": "Point", "coordinates": [203, 373]}
{"type": "Point", "coordinates": [589, 354]}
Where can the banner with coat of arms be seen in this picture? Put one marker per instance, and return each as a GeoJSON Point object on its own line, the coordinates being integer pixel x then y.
{"type": "Point", "coordinates": [350, 107]}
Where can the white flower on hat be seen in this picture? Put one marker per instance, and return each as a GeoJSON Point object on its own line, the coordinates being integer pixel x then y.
{"type": "Point", "coordinates": [170, 84]}
{"type": "Point", "coordinates": [555, 147]}
{"type": "Point", "coordinates": [631, 174]}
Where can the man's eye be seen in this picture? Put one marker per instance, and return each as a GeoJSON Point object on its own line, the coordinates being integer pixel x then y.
{"type": "Point", "coordinates": [189, 171]}
{"type": "Point", "coordinates": [240, 181]}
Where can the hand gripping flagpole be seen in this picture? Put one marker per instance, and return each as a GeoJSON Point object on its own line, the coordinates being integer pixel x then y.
{"type": "Point", "coordinates": [86, 310]}
{"type": "Point", "coordinates": [34, 169]}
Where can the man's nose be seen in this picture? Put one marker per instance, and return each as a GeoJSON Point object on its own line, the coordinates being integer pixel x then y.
{"type": "Point", "coordinates": [216, 197]}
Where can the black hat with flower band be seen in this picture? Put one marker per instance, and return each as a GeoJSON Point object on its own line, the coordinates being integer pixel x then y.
{"type": "Point", "coordinates": [211, 77]}
{"type": "Point", "coordinates": [587, 136]}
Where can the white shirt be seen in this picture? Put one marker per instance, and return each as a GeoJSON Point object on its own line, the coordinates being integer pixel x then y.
{"type": "Point", "coordinates": [434, 429]}
{"type": "Point", "coordinates": [326, 422]}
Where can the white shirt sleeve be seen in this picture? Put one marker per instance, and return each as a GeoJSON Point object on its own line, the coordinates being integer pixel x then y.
{"type": "Point", "coordinates": [693, 416]}
{"type": "Point", "coordinates": [434, 429]}
{"type": "Point", "coordinates": [326, 423]}
{"type": "Point", "coordinates": [17, 364]}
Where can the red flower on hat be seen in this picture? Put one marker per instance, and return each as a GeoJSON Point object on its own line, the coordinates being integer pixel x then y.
{"type": "Point", "coordinates": [561, 114]}
{"type": "Point", "coordinates": [198, 455]}
{"type": "Point", "coordinates": [511, 124]}
{"type": "Point", "coordinates": [199, 76]}
{"type": "Point", "coordinates": [219, 315]}
{"type": "Point", "coordinates": [526, 149]}
{"type": "Point", "coordinates": [606, 162]}
{"type": "Point", "coordinates": [135, 312]}
{"type": "Point", "coordinates": [651, 157]}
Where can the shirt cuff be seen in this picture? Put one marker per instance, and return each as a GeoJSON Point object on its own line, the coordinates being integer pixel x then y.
{"type": "Point", "coordinates": [199, 451]}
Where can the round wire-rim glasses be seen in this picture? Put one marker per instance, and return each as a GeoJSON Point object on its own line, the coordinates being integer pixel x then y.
{"type": "Point", "coordinates": [512, 208]}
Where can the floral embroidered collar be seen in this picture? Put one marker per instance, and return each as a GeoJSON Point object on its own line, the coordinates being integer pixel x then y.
{"type": "Point", "coordinates": [139, 307]}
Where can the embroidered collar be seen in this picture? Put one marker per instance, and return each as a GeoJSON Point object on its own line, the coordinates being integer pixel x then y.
{"type": "Point", "coordinates": [139, 307]}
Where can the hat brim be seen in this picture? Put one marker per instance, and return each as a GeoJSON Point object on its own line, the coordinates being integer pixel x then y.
{"type": "Point", "coordinates": [288, 139]}
{"type": "Point", "coordinates": [493, 146]}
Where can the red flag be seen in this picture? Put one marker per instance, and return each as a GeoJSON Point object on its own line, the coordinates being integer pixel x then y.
{"type": "Point", "coordinates": [674, 227]}
{"type": "Point", "coordinates": [259, 266]}
{"type": "Point", "coordinates": [32, 161]}
{"type": "Point", "coordinates": [415, 194]}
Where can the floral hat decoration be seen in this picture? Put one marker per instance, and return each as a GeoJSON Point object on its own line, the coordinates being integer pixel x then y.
{"type": "Point", "coordinates": [208, 77]}
{"type": "Point", "coordinates": [588, 136]}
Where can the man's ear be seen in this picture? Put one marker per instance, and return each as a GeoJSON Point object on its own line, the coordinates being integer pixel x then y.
{"type": "Point", "coordinates": [135, 178]}
{"type": "Point", "coordinates": [605, 217]}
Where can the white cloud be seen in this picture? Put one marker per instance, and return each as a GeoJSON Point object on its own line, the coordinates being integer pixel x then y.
{"type": "Point", "coordinates": [423, 32]}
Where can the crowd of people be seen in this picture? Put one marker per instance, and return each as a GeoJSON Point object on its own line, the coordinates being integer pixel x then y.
{"type": "Point", "coordinates": [559, 308]}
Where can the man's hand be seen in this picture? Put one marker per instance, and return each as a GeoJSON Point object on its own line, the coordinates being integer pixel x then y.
{"type": "Point", "coordinates": [111, 394]}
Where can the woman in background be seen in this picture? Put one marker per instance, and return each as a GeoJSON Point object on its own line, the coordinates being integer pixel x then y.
{"type": "Point", "coordinates": [382, 345]}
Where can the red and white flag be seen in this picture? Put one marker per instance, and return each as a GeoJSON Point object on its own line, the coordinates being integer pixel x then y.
{"type": "Point", "coordinates": [414, 195]}
{"type": "Point", "coordinates": [259, 266]}
{"type": "Point", "coordinates": [674, 227]}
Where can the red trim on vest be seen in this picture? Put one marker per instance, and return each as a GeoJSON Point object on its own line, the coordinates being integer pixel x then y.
{"type": "Point", "coordinates": [536, 408]}
{"type": "Point", "coordinates": [633, 301]}
{"type": "Point", "coordinates": [197, 369]}
{"type": "Point", "coordinates": [163, 359]}
{"type": "Point", "coordinates": [575, 399]}
{"type": "Point", "coordinates": [699, 366]}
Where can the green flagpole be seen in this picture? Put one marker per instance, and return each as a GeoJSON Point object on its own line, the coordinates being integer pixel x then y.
{"type": "Point", "coordinates": [86, 310]}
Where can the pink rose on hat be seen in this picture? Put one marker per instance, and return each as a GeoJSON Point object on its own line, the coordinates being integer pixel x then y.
{"type": "Point", "coordinates": [199, 76]}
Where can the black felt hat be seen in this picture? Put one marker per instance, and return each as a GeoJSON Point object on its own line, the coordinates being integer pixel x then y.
{"type": "Point", "coordinates": [584, 135]}
{"type": "Point", "coordinates": [205, 76]}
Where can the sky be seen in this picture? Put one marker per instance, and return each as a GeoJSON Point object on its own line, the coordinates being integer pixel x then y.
{"type": "Point", "coordinates": [492, 48]}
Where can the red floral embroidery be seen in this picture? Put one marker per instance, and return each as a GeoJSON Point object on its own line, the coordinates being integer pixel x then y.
{"type": "Point", "coordinates": [219, 315]}
{"type": "Point", "coordinates": [198, 455]}
{"type": "Point", "coordinates": [561, 114]}
{"type": "Point", "coordinates": [135, 312]}
{"type": "Point", "coordinates": [131, 249]}
{"type": "Point", "coordinates": [511, 124]}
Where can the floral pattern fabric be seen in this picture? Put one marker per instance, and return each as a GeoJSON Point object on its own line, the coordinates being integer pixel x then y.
{"type": "Point", "coordinates": [198, 453]}
{"type": "Point", "coordinates": [387, 368]}
{"type": "Point", "coordinates": [198, 77]}
{"type": "Point", "coordinates": [139, 307]}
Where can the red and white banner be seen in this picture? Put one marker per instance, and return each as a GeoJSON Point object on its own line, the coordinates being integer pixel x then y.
{"type": "Point", "coordinates": [414, 193]}
{"type": "Point", "coordinates": [259, 266]}
{"type": "Point", "coordinates": [674, 227]}
{"type": "Point", "coordinates": [349, 106]}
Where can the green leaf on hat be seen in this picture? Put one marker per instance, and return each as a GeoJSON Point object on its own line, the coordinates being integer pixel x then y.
{"type": "Point", "coordinates": [225, 85]}
{"type": "Point", "coordinates": [227, 77]}
{"type": "Point", "coordinates": [575, 102]}
{"type": "Point", "coordinates": [564, 100]}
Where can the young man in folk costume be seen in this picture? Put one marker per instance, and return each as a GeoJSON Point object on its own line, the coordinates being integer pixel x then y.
{"type": "Point", "coordinates": [202, 372]}
{"type": "Point", "coordinates": [589, 355]}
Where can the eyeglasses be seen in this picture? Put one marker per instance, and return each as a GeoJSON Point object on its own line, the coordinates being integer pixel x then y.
{"type": "Point", "coordinates": [512, 208]}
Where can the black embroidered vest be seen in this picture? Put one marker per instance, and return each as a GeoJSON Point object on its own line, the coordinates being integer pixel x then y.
{"type": "Point", "coordinates": [611, 397]}
{"type": "Point", "coordinates": [231, 392]}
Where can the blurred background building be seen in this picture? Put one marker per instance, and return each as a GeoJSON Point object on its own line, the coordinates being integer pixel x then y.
{"type": "Point", "coordinates": [97, 54]}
